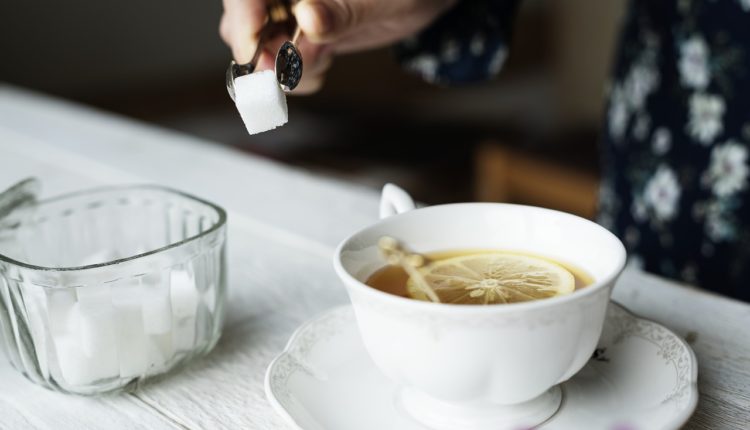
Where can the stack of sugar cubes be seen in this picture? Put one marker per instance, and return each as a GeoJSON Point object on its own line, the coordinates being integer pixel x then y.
{"type": "Point", "coordinates": [129, 328]}
{"type": "Point", "coordinates": [260, 101]}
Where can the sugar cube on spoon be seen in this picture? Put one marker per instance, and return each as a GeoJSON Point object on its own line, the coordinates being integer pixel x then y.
{"type": "Point", "coordinates": [260, 101]}
{"type": "Point", "coordinates": [260, 95]}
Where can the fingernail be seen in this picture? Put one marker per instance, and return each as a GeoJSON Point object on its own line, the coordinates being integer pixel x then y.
{"type": "Point", "coordinates": [315, 19]}
{"type": "Point", "coordinates": [242, 54]}
{"type": "Point", "coordinates": [243, 46]}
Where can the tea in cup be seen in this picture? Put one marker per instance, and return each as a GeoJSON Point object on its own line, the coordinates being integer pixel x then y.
{"type": "Point", "coordinates": [466, 364]}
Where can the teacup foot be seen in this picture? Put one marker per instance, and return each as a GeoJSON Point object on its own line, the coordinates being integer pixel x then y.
{"type": "Point", "coordinates": [441, 415]}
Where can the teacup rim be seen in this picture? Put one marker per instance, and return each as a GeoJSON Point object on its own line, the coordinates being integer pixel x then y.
{"type": "Point", "coordinates": [599, 284]}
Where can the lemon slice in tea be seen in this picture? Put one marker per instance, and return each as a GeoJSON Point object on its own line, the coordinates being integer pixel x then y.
{"type": "Point", "coordinates": [493, 277]}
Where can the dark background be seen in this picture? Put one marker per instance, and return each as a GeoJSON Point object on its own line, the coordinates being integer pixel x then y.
{"type": "Point", "coordinates": [528, 136]}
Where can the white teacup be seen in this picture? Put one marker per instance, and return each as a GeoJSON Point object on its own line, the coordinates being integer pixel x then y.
{"type": "Point", "coordinates": [480, 367]}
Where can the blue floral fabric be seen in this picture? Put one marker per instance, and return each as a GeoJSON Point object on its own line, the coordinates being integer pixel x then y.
{"type": "Point", "coordinates": [676, 130]}
{"type": "Point", "coordinates": [468, 44]}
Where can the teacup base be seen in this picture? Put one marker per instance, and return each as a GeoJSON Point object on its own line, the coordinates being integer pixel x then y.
{"type": "Point", "coordinates": [441, 415]}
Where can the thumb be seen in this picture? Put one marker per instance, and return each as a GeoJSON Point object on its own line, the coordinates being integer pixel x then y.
{"type": "Point", "coordinates": [324, 20]}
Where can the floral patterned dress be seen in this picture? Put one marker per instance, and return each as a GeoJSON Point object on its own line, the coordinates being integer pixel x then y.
{"type": "Point", "coordinates": [677, 126]}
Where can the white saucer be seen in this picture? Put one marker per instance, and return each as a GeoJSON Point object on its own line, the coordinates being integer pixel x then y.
{"type": "Point", "coordinates": [642, 376]}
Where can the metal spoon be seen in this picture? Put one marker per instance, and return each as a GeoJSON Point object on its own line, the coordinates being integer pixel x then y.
{"type": "Point", "coordinates": [236, 70]}
{"type": "Point", "coordinates": [288, 66]}
{"type": "Point", "coordinates": [289, 63]}
{"type": "Point", "coordinates": [279, 19]}
{"type": "Point", "coordinates": [397, 255]}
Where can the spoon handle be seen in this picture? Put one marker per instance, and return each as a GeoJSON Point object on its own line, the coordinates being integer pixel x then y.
{"type": "Point", "coordinates": [297, 35]}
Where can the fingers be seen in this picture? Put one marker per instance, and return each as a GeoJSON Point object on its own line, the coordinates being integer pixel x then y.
{"type": "Point", "coordinates": [315, 19]}
{"type": "Point", "coordinates": [318, 60]}
{"type": "Point", "coordinates": [324, 20]}
{"type": "Point", "coordinates": [239, 27]}
{"type": "Point", "coordinates": [225, 30]}
{"type": "Point", "coordinates": [309, 85]}
{"type": "Point", "coordinates": [377, 34]}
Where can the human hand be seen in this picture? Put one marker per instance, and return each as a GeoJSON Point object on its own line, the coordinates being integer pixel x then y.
{"type": "Point", "coordinates": [329, 26]}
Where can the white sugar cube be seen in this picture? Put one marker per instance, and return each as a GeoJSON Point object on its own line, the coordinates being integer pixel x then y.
{"type": "Point", "coordinates": [79, 364]}
{"type": "Point", "coordinates": [160, 352]}
{"type": "Point", "coordinates": [260, 101]}
{"type": "Point", "coordinates": [157, 310]}
{"type": "Point", "coordinates": [130, 334]}
{"type": "Point", "coordinates": [76, 368]}
{"type": "Point", "coordinates": [95, 324]}
{"type": "Point", "coordinates": [131, 339]}
{"type": "Point", "coordinates": [60, 305]}
{"type": "Point", "coordinates": [185, 300]}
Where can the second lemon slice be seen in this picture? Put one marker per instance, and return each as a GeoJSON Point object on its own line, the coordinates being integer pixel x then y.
{"type": "Point", "coordinates": [493, 277]}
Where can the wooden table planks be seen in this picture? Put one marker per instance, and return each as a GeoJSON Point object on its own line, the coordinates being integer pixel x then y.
{"type": "Point", "coordinates": [283, 227]}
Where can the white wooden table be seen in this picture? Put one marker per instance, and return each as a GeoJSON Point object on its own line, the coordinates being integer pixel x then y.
{"type": "Point", "coordinates": [283, 226]}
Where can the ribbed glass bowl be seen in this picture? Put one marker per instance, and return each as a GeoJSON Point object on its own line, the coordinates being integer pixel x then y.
{"type": "Point", "coordinates": [103, 289]}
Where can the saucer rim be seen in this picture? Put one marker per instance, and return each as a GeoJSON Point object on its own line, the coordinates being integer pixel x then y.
{"type": "Point", "coordinates": [681, 417]}
{"type": "Point", "coordinates": [692, 403]}
{"type": "Point", "coordinates": [298, 332]}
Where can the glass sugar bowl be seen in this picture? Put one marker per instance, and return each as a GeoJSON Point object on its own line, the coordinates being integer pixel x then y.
{"type": "Point", "coordinates": [101, 290]}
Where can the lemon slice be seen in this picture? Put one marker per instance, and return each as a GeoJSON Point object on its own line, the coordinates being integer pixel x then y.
{"type": "Point", "coordinates": [493, 277]}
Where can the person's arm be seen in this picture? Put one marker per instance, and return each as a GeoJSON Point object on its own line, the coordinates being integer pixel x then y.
{"type": "Point", "coordinates": [330, 27]}
{"type": "Point", "coordinates": [467, 44]}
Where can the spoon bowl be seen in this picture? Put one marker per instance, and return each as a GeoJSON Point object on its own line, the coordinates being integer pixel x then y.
{"type": "Point", "coordinates": [288, 66]}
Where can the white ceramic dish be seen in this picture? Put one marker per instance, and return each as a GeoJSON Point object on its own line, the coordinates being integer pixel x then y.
{"type": "Point", "coordinates": [480, 367]}
{"type": "Point", "coordinates": [642, 376]}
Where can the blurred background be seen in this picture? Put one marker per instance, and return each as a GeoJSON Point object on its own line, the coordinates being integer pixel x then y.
{"type": "Point", "coordinates": [530, 136]}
